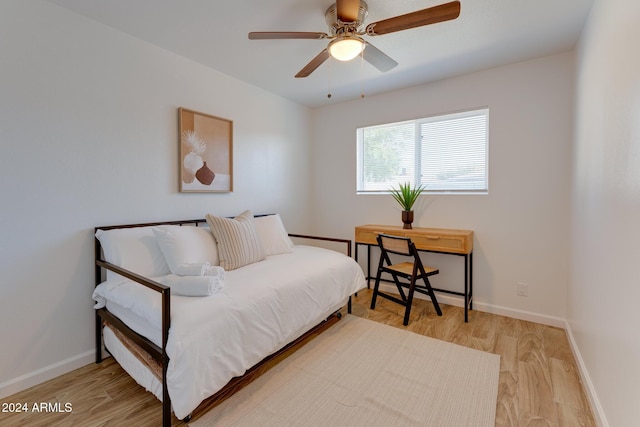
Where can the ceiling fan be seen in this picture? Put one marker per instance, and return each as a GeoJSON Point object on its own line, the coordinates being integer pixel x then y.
{"type": "Point", "coordinates": [346, 18]}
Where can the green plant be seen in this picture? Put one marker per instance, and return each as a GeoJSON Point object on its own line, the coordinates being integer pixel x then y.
{"type": "Point", "coordinates": [405, 195]}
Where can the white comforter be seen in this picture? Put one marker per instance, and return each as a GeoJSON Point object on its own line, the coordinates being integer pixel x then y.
{"type": "Point", "coordinates": [262, 307]}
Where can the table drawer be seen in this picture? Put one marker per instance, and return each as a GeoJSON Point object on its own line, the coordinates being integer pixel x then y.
{"type": "Point", "coordinates": [370, 236]}
{"type": "Point", "coordinates": [366, 236]}
{"type": "Point", "coordinates": [438, 242]}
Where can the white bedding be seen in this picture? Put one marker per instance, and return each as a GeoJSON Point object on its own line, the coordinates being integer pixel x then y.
{"type": "Point", "coordinates": [130, 363]}
{"type": "Point", "coordinates": [262, 307]}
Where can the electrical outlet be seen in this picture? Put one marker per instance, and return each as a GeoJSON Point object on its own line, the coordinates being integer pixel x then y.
{"type": "Point", "coordinates": [523, 290]}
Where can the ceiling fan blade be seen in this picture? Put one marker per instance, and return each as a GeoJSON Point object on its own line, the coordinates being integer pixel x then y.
{"type": "Point", "coordinates": [431, 15]}
{"type": "Point", "coordinates": [268, 35]}
{"type": "Point", "coordinates": [378, 58]}
{"type": "Point", "coordinates": [315, 63]}
{"type": "Point", "coordinates": [347, 10]}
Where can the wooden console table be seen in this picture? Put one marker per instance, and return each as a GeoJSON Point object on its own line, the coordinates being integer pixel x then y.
{"type": "Point", "coordinates": [439, 240]}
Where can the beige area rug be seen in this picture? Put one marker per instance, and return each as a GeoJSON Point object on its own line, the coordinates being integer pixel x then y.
{"type": "Point", "coordinates": [363, 373]}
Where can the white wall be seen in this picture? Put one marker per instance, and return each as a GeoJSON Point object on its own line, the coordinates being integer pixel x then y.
{"type": "Point", "coordinates": [604, 289]}
{"type": "Point", "coordinates": [521, 227]}
{"type": "Point", "coordinates": [88, 127]}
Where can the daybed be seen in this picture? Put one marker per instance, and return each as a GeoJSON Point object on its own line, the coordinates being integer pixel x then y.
{"type": "Point", "coordinates": [262, 300]}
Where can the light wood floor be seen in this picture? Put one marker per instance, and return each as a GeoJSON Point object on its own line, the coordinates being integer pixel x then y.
{"type": "Point", "coordinates": [539, 380]}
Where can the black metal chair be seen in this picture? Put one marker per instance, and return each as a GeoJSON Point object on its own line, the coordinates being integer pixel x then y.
{"type": "Point", "coordinates": [412, 271]}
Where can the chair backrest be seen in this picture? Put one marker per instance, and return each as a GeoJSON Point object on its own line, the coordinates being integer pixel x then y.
{"type": "Point", "coordinates": [395, 244]}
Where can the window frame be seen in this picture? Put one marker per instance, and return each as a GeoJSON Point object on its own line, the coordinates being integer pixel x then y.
{"type": "Point", "coordinates": [418, 145]}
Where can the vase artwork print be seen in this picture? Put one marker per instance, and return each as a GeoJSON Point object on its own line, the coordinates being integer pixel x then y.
{"type": "Point", "coordinates": [206, 148]}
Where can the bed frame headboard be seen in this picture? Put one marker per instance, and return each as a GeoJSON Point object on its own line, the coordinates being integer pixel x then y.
{"type": "Point", "coordinates": [98, 247]}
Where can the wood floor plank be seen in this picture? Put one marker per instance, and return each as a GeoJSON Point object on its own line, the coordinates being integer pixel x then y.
{"type": "Point", "coordinates": [567, 388]}
{"type": "Point", "coordinates": [557, 345]}
{"type": "Point", "coordinates": [536, 404]}
{"type": "Point", "coordinates": [539, 383]}
{"type": "Point", "coordinates": [572, 417]}
{"type": "Point", "coordinates": [507, 404]}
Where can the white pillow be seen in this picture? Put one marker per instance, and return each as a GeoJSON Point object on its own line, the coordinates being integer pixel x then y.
{"type": "Point", "coordinates": [135, 249]}
{"type": "Point", "coordinates": [186, 248]}
{"type": "Point", "coordinates": [273, 235]}
{"type": "Point", "coordinates": [237, 239]}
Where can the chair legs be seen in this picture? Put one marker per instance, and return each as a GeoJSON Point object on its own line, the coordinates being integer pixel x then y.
{"type": "Point", "coordinates": [432, 295]}
{"type": "Point", "coordinates": [407, 301]}
{"type": "Point", "coordinates": [407, 310]}
{"type": "Point", "coordinates": [383, 258]}
{"type": "Point", "coordinates": [403, 246]}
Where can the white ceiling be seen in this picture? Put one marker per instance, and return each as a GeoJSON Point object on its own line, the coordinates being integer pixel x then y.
{"type": "Point", "coordinates": [488, 33]}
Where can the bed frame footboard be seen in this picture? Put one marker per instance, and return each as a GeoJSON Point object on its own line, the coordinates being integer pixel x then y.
{"type": "Point", "coordinates": [159, 354]}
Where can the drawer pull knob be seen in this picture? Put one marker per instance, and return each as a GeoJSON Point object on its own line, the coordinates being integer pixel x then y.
{"type": "Point", "coordinates": [433, 237]}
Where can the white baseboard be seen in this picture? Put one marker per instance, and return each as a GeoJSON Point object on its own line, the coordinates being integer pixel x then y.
{"type": "Point", "coordinates": [458, 301]}
{"type": "Point", "coordinates": [598, 412]}
{"type": "Point", "coordinates": [41, 375]}
{"type": "Point", "coordinates": [544, 319]}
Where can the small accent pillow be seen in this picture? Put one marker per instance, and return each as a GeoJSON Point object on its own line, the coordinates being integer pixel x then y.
{"type": "Point", "coordinates": [237, 239]}
{"type": "Point", "coordinates": [273, 235]}
{"type": "Point", "coordinates": [135, 249]}
{"type": "Point", "coordinates": [186, 249]}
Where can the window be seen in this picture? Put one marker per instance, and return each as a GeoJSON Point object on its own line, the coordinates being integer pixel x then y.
{"type": "Point", "coordinates": [447, 153]}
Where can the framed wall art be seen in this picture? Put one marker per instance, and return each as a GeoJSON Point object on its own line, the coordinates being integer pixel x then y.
{"type": "Point", "coordinates": [206, 153]}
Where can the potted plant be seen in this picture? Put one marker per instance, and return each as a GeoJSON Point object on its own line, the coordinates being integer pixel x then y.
{"type": "Point", "coordinates": [406, 197]}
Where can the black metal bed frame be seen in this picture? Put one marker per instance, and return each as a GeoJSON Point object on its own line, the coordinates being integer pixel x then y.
{"type": "Point", "coordinates": [159, 354]}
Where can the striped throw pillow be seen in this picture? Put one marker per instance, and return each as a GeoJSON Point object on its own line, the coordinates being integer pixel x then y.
{"type": "Point", "coordinates": [237, 239]}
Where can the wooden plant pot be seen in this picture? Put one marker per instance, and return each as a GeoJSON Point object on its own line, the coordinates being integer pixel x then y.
{"type": "Point", "coordinates": [407, 219]}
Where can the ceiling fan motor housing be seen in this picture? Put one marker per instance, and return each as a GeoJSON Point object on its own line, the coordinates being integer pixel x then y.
{"type": "Point", "coordinates": [338, 27]}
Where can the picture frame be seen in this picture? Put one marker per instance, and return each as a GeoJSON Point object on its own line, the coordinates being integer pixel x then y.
{"type": "Point", "coordinates": [206, 152]}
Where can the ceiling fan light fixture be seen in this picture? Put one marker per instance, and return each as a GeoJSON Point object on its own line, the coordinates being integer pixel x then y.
{"type": "Point", "coordinates": [346, 48]}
